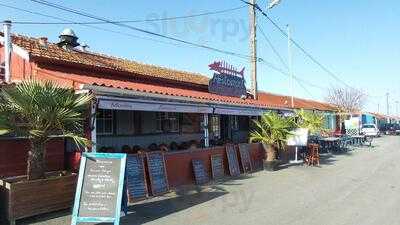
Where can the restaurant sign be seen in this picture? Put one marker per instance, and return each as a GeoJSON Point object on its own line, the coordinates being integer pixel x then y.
{"type": "Point", "coordinates": [227, 80]}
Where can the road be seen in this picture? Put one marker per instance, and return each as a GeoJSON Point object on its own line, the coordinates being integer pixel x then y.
{"type": "Point", "coordinates": [359, 187]}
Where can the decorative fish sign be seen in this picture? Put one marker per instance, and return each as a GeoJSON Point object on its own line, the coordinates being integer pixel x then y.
{"type": "Point", "coordinates": [227, 80]}
{"type": "Point", "coordinates": [224, 68]}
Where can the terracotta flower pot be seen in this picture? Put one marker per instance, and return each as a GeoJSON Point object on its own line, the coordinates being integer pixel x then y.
{"type": "Point", "coordinates": [270, 162]}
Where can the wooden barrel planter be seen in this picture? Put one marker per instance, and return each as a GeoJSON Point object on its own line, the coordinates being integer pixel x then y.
{"type": "Point", "coordinates": [22, 198]}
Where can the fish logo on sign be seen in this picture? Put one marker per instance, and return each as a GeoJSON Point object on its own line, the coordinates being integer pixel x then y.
{"type": "Point", "coordinates": [224, 68]}
{"type": "Point", "coordinates": [227, 81]}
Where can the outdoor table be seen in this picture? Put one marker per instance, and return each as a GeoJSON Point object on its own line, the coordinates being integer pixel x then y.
{"type": "Point", "coordinates": [359, 139]}
{"type": "Point", "coordinates": [332, 142]}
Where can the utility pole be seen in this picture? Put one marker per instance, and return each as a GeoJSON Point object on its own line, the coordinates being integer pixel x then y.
{"type": "Point", "coordinates": [387, 103]}
{"type": "Point", "coordinates": [253, 47]}
{"type": "Point", "coordinates": [7, 50]}
{"type": "Point", "coordinates": [379, 107]}
{"type": "Point", "coordinates": [290, 59]}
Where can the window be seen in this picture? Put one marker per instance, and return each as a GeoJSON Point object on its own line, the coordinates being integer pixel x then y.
{"type": "Point", "coordinates": [234, 123]}
{"type": "Point", "coordinates": [124, 122]}
{"type": "Point", "coordinates": [215, 126]}
{"type": "Point", "coordinates": [190, 123]}
{"type": "Point", "coordinates": [105, 122]}
{"type": "Point", "coordinates": [167, 122]}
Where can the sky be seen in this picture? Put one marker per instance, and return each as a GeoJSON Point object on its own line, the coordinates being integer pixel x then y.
{"type": "Point", "coordinates": [357, 40]}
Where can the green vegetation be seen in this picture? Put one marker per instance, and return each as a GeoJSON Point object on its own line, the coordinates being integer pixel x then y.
{"type": "Point", "coordinates": [40, 112]}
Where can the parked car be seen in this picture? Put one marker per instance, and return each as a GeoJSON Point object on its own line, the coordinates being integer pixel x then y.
{"type": "Point", "coordinates": [397, 129]}
{"type": "Point", "coordinates": [370, 130]}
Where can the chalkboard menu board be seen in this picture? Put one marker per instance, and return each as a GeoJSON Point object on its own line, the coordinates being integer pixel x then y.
{"type": "Point", "coordinates": [217, 166]}
{"type": "Point", "coordinates": [200, 174]}
{"type": "Point", "coordinates": [157, 172]}
{"type": "Point", "coordinates": [244, 151]}
{"type": "Point", "coordinates": [99, 189]}
{"type": "Point", "coordinates": [233, 161]}
{"type": "Point", "coordinates": [136, 178]}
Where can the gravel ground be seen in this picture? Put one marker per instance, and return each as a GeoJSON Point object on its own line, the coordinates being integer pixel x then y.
{"type": "Point", "coordinates": [358, 187]}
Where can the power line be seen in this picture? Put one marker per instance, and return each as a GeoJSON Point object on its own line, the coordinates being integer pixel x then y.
{"type": "Point", "coordinates": [312, 58]}
{"type": "Point", "coordinates": [281, 71]}
{"type": "Point", "coordinates": [302, 49]}
{"type": "Point", "coordinates": [87, 25]}
{"type": "Point", "coordinates": [134, 21]}
{"type": "Point", "coordinates": [273, 48]}
{"type": "Point", "coordinates": [77, 12]}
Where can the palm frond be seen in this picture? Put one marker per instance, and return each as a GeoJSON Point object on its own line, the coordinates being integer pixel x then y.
{"type": "Point", "coordinates": [42, 109]}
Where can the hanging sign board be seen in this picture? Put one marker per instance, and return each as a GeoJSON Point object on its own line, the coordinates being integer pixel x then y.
{"type": "Point", "coordinates": [299, 137]}
{"type": "Point", "coordinates": [233, 161]}
{"type": "Point", "coordinates": [136, 178]}
{"type": "Point", "coordinates": [152, 106]}
{"type": "Point", "coordinates": [244, 151]}
{"type": "Point", "coordinates": [217, 166]}
{"type": "Point", "coordinates": [99, 190]}
{"type": "Point", "coordinates": [157, 172]}
{"type": "Point", "coordinates": [227, 81]}
{"type": "Point", "coordinates": [238, 111]}
{"type": "Point", "coordinates": [200, 174]}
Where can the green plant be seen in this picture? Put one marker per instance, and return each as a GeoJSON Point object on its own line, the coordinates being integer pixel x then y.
{"type": "Point", "coordinates": [40, 112]}
{"type": "Point", "coordinates": [273, 130]}
{"type": "Point", "coordinates": [312, 121]}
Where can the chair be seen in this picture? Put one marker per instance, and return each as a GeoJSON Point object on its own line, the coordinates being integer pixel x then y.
{"type": "Point", "coordinates": [312, 158]}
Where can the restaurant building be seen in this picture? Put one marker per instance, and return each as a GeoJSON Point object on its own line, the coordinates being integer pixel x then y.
{"type": "Point", "coordinates": [142, 107]}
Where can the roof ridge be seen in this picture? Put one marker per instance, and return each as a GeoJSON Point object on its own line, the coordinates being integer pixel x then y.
{"type": "Point", "coordinates": [137, 62]}
{"type": "Point", "coordinates": [197, 76]}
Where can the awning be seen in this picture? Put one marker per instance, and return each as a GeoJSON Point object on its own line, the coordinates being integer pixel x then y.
{"type": "Point", "coordinates": [111, 103]}
{"type": "Point", "coordinates": [154, 106]}
{"type": "Point", "coordinates": [238, 111]}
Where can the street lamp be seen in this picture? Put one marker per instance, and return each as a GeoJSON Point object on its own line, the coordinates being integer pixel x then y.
{"type": "Point", "coordinates": [273, 3]}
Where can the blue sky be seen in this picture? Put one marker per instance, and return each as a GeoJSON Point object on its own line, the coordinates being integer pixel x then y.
{"type": "Point", "coordinates": [358, 40]}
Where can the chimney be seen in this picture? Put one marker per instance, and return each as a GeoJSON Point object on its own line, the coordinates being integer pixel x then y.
{"type": "Point", "coordinates": [68, 39]}
{"type": "Point", "coordinates": [43, 41]}
{"type": "Point", "coordinates": [7, 50]}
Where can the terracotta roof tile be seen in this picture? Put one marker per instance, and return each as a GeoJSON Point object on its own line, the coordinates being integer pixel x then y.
{"type": "Point", "coordinates": [198, 96]}
{"type": "Point", "coordinates": [284, 101]}
{"type": "Point", "coordinates": [53, 52]}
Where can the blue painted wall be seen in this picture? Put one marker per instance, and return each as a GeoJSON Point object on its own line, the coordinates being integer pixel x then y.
{"type": "Point", "coordinates": [368, 119]}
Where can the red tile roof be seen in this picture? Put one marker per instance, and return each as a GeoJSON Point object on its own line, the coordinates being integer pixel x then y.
{"type": "Point", "coordinates": [285, 102]}
{"type": "Point", "coordinates": [54, 52]}
{"type": "Point", "coordinates": [198, 96]}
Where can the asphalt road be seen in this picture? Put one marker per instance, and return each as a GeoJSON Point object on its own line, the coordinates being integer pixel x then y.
{"type": "Point", "coordinates": [359, 187]}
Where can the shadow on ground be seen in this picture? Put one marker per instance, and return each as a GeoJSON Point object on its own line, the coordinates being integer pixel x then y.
{"type": "Point", "coordinates": [147, 212]}
{"type": "Point", "coordinates": [152, 209]}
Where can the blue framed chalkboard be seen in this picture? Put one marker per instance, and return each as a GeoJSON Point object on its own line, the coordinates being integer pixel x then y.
{"type": "Point", "coordinates": [200, 174]}
{"type": "Point", "coordinates": [136, 178]}
{"type": "Point", "coordinates": [100, 188]}
{"type": "Point", "coordinates": [157, 173]}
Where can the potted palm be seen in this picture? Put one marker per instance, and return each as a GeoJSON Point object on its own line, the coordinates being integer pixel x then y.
{"type": "Point", "coordinates": [272, 130]}
{"type": "Point", "coordinates": [312, 121]}
{"type": "Point", "coordinates": [40, 112]}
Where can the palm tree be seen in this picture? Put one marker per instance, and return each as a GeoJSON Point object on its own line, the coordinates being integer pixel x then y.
{"type": "Point", "coordinates": [314, 122]}
{"type": "Point", "coordinates": [40, 112]}
{"type": "Point", "coordinates": [272, 130]}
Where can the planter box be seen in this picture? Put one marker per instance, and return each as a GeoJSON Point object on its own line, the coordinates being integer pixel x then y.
{"type": "Point", "coordinates": [22, 198]}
